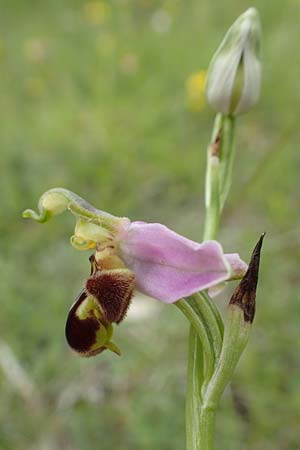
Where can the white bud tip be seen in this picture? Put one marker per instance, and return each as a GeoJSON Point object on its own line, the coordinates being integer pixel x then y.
{"type": "Point", "coordinates": [251, 13]}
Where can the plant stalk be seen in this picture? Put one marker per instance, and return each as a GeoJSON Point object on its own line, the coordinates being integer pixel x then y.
{"type": "Point", "coordinates": [200, 415]}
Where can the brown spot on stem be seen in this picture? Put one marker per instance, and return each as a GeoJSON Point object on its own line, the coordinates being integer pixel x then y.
{"type": "Point", "coordinates": [215, 148]}
{"type": "Point", "coordinates": [244, 295]}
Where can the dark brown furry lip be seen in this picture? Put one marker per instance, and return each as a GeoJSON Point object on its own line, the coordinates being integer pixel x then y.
{"type": "Point", "coordinates": [113, 290]}
{"type": "Point", "coordinates": [81, 334]}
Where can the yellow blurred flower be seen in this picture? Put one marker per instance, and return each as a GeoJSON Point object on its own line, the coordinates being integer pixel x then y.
{"type": "Point", "coordinates": [96, 12]}
{"type": "Point", "coordinates": [195, 90]}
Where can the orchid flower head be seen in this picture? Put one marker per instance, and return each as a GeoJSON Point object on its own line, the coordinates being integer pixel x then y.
{"type": "Point", "coordinates": [128, 256]}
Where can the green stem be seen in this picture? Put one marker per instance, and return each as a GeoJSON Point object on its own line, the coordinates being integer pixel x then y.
{"type": "Point", "coordinates": [212, 220]}
{"type": "Point", "coordinates": [203, 306]}
{"type": "Point", "coordinates": [214, 310]}
{"type": "Point", "coordinates": [235, 339]}
{"type": "Point", "coordinates": [200, 415]}
{"type": "Point", "coordinates": [226, 157]}
{"type": "Point", "coordinates": [197, 321]}
{"type": "Point", "coordinates": [200, 422]}
{"type": "Point", "coordinates": [212, 181]}
{"type": "Point", "coordinates": [193, 391]}
{"type": "Point", "coordinates": [201, 348]}
{"type": "Point", "coordinates": [206, 428]}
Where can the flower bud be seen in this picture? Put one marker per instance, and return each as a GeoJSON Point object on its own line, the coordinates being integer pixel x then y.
{"type": "Point", "coordinates": [234, 75]}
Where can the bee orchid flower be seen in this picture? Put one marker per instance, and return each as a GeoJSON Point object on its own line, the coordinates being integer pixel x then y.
{"type": "Point", "coordinates": [128, 256]}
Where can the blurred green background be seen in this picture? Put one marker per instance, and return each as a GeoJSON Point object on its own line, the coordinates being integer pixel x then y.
{"type": "Point", "coordinates": [106, 99]}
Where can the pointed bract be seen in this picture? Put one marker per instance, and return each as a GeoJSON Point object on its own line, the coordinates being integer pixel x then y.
{"type": "Point", "coordinates": [245, 294]}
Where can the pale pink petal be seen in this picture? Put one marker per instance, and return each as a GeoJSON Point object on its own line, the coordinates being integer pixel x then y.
{"type": "Point", "coordinates": [168, 266]}
{"type": "Point", "coordinates": [238, 266]}
{"type": "Point", "coordinates": [238, 270]}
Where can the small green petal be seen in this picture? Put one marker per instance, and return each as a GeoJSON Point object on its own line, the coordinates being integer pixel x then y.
{"type": "Point", "coordinates": [113, 348]}
{"type": "Point", "coordinates": [44, 215]}
{"type": "Point", "coordinates": [57, 200]}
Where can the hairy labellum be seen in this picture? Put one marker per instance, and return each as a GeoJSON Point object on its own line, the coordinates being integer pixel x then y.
{"type": "Point", "coordinates": [86, 332]}
{"type": "Point", "coordinates": [113, 290]}
{"type": "Point", "coordinates": [104, 300]}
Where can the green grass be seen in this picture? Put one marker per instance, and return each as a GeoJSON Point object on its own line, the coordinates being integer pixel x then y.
{"type": "Point", "coordinates": [101, 110]}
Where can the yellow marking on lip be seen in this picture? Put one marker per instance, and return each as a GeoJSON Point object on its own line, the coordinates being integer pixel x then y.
{"type": "Point", "coordinates": [82, 244]}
